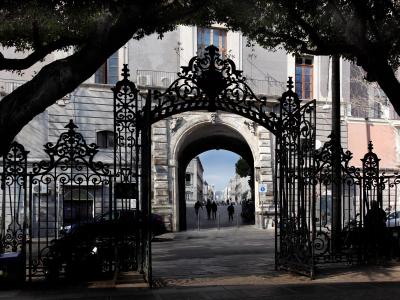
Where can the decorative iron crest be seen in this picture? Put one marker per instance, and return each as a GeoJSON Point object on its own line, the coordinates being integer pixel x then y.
{"type": "Point", "coordinates": [14, 162]}
{"type": "Point", "coordinates": [71, 151]}
{"type": "Point", "coordinates": [13, 182]}
{"type": "Point", "coordinates": [370, 162]}
{"type": "Point", "coordinates": [125, 102]}
{"type": "Point", "coordinates": [290, 101]}
{"type": "Point", "coordinates": [371, 175]}
{"type": "Point", "coordinates": [209, 76]}
{"type": "Point", "coordinates": [212, 83]}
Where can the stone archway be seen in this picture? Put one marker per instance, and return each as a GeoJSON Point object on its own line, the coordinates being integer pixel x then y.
{"type": "Point", "coordinates": [194, 133]}
{"type": "Point", "coordinates": [212, 84]}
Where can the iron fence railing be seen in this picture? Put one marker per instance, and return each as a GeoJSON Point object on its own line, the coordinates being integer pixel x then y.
{"type": "Point", "coordinates": [7, 86]}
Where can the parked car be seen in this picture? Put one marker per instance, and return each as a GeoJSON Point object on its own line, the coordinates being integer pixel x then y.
{"type": "Point", "coordinates": [393, 219]}
{"type": "Point", "coordinates": [85, 248]}
{"type": "Point", "coordinates": [120, 221]}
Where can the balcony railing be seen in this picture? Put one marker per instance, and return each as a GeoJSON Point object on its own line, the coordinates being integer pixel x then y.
{"type": "Point", "coordinates": [7, 86]}
{"type": "Point", "coordinates": [162, 79]}
{"type": "Point", "coordinates": [154, 79]}
{"type": "Point", "coordinates": [267, 87]}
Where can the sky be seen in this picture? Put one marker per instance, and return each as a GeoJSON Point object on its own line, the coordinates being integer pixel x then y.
{"type": "Point", "coordinates": [219, 167]}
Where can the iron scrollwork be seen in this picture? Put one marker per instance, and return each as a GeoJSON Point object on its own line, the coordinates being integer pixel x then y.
{"type": "Point", "coordinates": [212, 83]}
{"type": "Point", "coordinates": [295, 164]}
{"type": "Point", "coordinates": [13, 188]}
{"type": "Point", "coordinates": [71, 151]}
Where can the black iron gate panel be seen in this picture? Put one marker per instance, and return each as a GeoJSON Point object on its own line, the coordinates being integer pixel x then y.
{"type": "Point", "coordinates": [364, 189]}
{"type": "Point", "coordinates": [350, 184]}
{"type": "Point", "coordinates": [70, 195]}
{"type": "Point", "coordinates": [294, 188]}
{"type": "Point", "coordinates": [132, 163]}
{"type": "Point", "coordinates": [146, 192]}
{"type": "Point", "coordinates": [14, 205]}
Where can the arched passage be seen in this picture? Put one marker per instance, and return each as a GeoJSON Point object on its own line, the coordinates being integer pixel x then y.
{"type": "Point", "coordinates": [200, 139]}
{"type": "Point", "coordinates": [213, 84]}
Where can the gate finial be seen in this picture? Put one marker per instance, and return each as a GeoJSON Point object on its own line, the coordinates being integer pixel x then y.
{"type": "Point", "coordinates": [290, 85]}
{"type": "Point", "coordinates": [370, 146]}
{"type": "Point", "coordinates": [71, 125]}
{"type": "Point", "coordinates": [125, 71]}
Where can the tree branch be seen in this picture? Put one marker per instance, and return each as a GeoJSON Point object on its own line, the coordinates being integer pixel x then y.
{"type": "Point", "coordinates": [61, 77]}
{"type": "Point", "coordinates": [15, 64]}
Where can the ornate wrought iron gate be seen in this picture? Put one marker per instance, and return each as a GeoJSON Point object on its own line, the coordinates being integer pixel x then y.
{"type": "Point", "coordinates": [212, 83]}
{"type": "Point", "coordinates": [132, 163]}
{"type": "Point", "coordinates": [67, 190]}
{"type": "Point", "coordinates": [36, 204]}
{"type": "Point", "coordinates": [294, 184]}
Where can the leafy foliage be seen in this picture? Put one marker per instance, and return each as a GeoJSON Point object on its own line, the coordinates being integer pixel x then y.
{"type": "Point", "coordinates": [365, 32]}
{"type": "Point", "coordinates": [362, 31]}
{"type": "Point", "coordinates": [242, 168]}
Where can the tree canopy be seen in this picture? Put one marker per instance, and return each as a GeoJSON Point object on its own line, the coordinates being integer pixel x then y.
{"type": "Point", "coordinates": [242, 168]}
{"type": "Point", "coordinates": [365, 32]}
{"type": "Point", "coordinates": [362, 31]}
{"type": "Point", "coordinates": [95, 29]}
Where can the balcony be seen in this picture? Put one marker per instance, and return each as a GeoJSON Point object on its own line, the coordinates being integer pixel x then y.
{"type": "Point", "coordinates": [154, 79]}
{"type": "Point", "coordinates": [161, 80]}
{"type": "Point", "coordinates": [266, 87]}
{"type": "Point", "coordinates": [7, 86]}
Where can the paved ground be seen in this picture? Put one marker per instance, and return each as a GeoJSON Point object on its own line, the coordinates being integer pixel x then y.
{"type": "Point", "coordinates": [222, 220]}
{"type": "Point", "coordinates": [227, 264]}
{"type": "Point", "coordinates": [213, 254]}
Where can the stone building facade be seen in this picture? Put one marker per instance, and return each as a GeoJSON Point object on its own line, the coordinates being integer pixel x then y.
{"type": "Point", "coordinates": [153, 64]}
{"type": "Point", "coordinates": [194, 182]}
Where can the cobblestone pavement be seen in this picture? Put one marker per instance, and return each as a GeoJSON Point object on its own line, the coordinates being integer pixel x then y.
{"type": "Point", "coordinates": [227, 264]}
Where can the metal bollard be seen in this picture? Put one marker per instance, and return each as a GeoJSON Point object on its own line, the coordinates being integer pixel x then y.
{"type": "Point", "coordinates": [218, 220]}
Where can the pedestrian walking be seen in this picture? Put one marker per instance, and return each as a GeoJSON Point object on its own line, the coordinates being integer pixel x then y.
{"type": "Point", "coordinates": [197, 206]}
{"type": "Point", "coordinates": [214, 209]}
{"type": "Point", "coordinates": [231, 211]}
{"type": "Point", "coordinates": [208, 208]}
{"type": "Point", "coordinates": [376, 231]}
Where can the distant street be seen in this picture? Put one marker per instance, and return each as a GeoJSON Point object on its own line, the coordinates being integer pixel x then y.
{"type": "Point", "coordinates": [222, 218]}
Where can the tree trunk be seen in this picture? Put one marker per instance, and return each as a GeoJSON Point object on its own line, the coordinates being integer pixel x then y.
{"type": "Point", "coordinates": [384, 75]}
{"type": "Point", "coordinates": [61, 77]}
{"type": "Point", "coordinates": [57, 79]}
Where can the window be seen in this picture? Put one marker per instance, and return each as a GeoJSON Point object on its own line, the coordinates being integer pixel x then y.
{"type": "Point", "coordinates": [392, 113]}
{"type": "Point", "coordinates": [211, 36]}
{"type": "Point", "coordinates": [77, 205]}
{"type": "Point", "coordinates": [188, 196]}
{"type": "Point", "coordinates": [108, 72]}
{"type": "Point", "coordinates": [304, 76]}
{"type": "Point", "coordinates": [358, 110]}
{"type": "Point", "coordinates": [188, 178]}
{"type": "Point", "coordinates": [105, 139]}
{"type": "Point", "coordinates": [376, 110]}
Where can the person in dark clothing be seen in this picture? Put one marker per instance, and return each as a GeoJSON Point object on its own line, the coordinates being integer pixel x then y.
{"type": "Point", "coordinates": [214, 209]}
{"type": "Point", "coordinates": [375, 229]}
{"type": "Point", "coordinates": [208, 208]}
{"type": "Point", "coordinates": [231, 211]}
{"type": "Point", "coordinates": [197, 206]}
